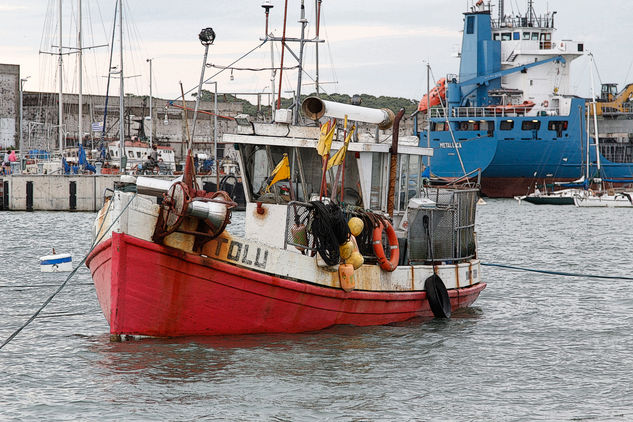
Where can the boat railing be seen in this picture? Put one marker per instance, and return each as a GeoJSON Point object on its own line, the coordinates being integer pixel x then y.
{"type": "Point", "coordinates": [542, 21]}
{"type": "Point", "coordinates": [491, 111]}
{"type": "Point", "coordinates": [446, 231]}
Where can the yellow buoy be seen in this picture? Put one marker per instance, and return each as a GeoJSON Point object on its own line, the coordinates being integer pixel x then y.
{"type": "Point", "coordinates": [346, 249]}
{"type": "Point", "coordinates": [356, 259]}
{"type": "Point", "coordinates": [355, 225]}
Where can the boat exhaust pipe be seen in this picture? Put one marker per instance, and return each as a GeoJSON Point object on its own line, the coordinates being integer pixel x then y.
{"type": "Point", "coordinates": [152, 187]}
{"type": "Point", "coordinates": [315, 108]}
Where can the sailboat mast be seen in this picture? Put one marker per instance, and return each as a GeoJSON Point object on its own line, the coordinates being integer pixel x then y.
{"type": "Point", "coordinates": [80, 71]}
{"type": "Point", "coordinates": [151, 113]}
{"type": "Point", "coordinates": [121, 92]}
{"type": "Point", "coordinates": [61, 83]}
{"type": "Point", "coordinates": [595, 121]}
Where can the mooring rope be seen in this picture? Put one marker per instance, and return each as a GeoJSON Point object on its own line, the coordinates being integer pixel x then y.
{"type": "Point", "coordinates": [563, 273]}
{"type": "Point", "coordinates": [72, 273]}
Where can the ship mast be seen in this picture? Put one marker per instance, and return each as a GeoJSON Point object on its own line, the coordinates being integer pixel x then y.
{"type": "Point", "coordinates": [80, 66]}
{"type": "Point", "coordinates": [121, 94]}
{"type": "Point", "coordinates": [60, 67]}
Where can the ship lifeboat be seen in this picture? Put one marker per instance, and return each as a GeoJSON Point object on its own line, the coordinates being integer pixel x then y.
{"type": "Point", "coordinates": [522, 108]}
{"type": "Point", "coordinates": [437, 95]}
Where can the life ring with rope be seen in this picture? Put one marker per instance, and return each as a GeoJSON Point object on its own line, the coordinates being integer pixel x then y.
{"type": "Point", "coordinates": [391, 263]}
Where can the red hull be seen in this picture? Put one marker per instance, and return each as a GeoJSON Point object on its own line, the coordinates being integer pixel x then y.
{"type": "Point", "coordinates": [147, 289]}
{"type": "Point", "coordinates": [509, 187]}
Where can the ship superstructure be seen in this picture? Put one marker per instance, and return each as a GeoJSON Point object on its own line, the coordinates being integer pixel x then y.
{"type": "Point", "coordinates": [510, 111]}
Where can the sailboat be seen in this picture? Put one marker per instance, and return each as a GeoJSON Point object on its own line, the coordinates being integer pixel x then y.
{"type": "Point", "coordinates": [611, 198]}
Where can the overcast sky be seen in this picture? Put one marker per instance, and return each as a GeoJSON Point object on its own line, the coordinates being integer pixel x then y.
{"type": "Point", "coordinates": [375, 47]}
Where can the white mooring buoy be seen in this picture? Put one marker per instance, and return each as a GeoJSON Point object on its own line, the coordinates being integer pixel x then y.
{"type": "Point", "coordinates": [56, 262]}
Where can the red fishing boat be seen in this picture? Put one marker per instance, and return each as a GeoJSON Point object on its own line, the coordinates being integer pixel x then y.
{"type": "Point", "coordinates": [181, 268]}
{"type": "Point", "coordinates": [353, 237]}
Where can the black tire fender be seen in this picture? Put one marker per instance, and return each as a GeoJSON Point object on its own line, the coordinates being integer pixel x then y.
{"type": "Point", "coordinates": [438, 298]}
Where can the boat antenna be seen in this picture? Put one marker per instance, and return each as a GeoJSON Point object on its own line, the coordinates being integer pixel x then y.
{"type": "Point", "coordinates": [501, 6]}
{"type": "Point", "coordinates": [303, 22]}
{"type": "Point", "coordinates": [317, 5]}
{"type": "Point", "coordinates": [267, 5]}
{"type": "Point", "coordinates": [283, 49]}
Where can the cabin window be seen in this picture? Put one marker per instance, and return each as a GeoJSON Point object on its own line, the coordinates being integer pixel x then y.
{"type": "Point", "coordinates": [138, 154]}
{"type": "Point", "coordinates": [259, 162]}
{"type": "Point", "coordinates": [558, 126]}
{"type": "Point", "coordinates": [130, 154]}
{"type": "Point", "coordinates": [470, 24]}
{"type": "Point", "coordinates": [516, 36]}
{"type": "Point", "coordinates": [438, 126]}
{"type": "Point", "coordinates": [534, 36]}
{"type": "Point", "coordinates": [581, 47]}
{"type": "Point", "coordinates": [506, 36]}
{"type": "Point", "coordinates": [488, 126]}
{"type": "Point", "coordinates": [530, 125]}
{"type": "Point", "coordinates": [506, 125]}
{"type": "Point", "coordinates": [375, 198]}
{"type": "Point", "coordinates": [495, 36]}
{"type": "Point", "coordinates": [526, 36]}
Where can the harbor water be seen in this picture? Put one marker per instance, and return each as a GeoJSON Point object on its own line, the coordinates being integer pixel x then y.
{"type": "Point", "coordinates": [533, 347]}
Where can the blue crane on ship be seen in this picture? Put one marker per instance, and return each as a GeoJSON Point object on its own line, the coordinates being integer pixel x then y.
{"type": "Point", "coordinates": [456, 95]}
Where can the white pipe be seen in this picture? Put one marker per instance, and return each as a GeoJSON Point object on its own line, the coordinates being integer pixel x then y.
{"type": "Point", "coordinates": [315, 108]}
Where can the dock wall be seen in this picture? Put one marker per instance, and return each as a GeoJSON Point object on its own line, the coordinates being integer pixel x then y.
{"type": "Point", "coordinates": [55, 192]}
{"type": "Point", "coordinates": [85, 193]}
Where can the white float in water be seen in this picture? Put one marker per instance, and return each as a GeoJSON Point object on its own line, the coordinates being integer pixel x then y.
{"type": "Point", "coordinates": [56, 262]}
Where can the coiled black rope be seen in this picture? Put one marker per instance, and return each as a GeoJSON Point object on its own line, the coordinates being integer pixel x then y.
{"type": "Point", "coordinates": [330, 230]}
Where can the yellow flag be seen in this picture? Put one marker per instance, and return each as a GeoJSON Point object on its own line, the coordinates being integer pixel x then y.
{"type": "Point", "coordinates": [337, 159]}
{"type": "Point", "coordinates": [281, 172]}
{"type": "Point", "coordinates": [325, 140]}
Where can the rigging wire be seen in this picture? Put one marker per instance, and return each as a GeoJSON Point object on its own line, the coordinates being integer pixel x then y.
{"type": "Point", "coordinates": [59, 289]}
{"type": "Point", "coordinates": [222, 70]}
{"type": "Point", "coordinates": [563, 273]}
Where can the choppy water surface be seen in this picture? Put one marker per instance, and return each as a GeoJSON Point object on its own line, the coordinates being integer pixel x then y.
{"type": "Point", "coordinates": [535, 346]}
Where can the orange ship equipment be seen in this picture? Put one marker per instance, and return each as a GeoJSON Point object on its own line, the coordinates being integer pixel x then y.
{"type": "Point", "coordinates": [437, 95]}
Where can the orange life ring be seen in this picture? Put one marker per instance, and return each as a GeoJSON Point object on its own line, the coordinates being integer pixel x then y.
{"type": "Point", "coordinates": [392, 263]}
{"type": "Point", "coordinates": [545, 103]}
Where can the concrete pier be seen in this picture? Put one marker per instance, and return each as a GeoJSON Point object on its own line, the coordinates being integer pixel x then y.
{"type": "Point", "coordinates": [40, 192]}
{"type": "Point", "coordinates": [24, 192]}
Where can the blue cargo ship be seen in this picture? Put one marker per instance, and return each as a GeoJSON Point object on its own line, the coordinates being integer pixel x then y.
{"type": "Point", "coordinates": [509, 112]}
